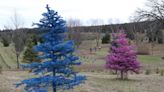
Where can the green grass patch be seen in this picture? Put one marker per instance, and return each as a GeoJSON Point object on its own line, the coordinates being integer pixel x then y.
{"type": "Point", "coordinates": [149, 59]}
{"type": "Point", "coordinates": [103, 52]}
{"type": "Point", "coordinates": [8, 56]}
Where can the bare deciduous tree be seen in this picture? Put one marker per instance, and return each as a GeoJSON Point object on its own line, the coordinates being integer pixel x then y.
{"type": "Point", "coordinates": [18, 35]}
{"type": "Point", "coordinates": [136, 33]}
{"type": "Point", "coordinates": [97, 30]}
{"type": "Point", "coordinates": [154, 10]}
{"type": "Point", "coordinates": [73, 22]}
{"type": "Point", "coordinates": [74, 32]}
{"type": "Point", "coordinates": [110, 22]}
{"type": "Point", "coordinates": [17, 20]}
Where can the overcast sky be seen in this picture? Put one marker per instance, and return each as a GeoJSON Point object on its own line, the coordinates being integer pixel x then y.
{"type": "Point", "coordinates": [116, 11]}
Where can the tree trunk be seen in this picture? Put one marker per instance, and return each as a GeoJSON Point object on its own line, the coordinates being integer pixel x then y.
{"type": "Point", "coordinates": [17, 56]}
{"type": "Point", "coordinates": [116, 72]}
{"type": "Point", "coordinates": [97, 42]}
{"type": "Point", "coordinates": [152, 48]}
{"type": "Point", "coordinates": [97, 39]}
{"type": "Point", "coordinates": [122, 75]}
{"type": "Point", "coordinates": [126, 75]}
{"type": "Point", "coordinates": [54, 84]}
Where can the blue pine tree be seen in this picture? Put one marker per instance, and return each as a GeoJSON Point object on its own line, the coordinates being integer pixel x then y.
{"type": "Point", "coordinates": [56, 68]}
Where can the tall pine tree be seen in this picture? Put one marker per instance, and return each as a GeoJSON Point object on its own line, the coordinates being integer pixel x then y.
{"type": "Point", "coordinates": [58, 58]}
{"type": "Point", "coordinates": [123, 56]}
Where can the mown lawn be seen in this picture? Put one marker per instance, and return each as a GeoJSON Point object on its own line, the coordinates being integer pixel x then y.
{"type": "Point", "coordinates": [147, 59]}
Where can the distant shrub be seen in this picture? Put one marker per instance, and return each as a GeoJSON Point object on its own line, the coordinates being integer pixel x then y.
{"type": "Point", "coordinates": [147, 72]}
{"type": "Point", "coordinates": [5, 43]}
{"type": "Point", "coordinates": [162, 72]}
{"type": "Point", "coordinates": [157, 71]}
{"type": "Point", "coordinates": [106, 39]}
{"type": "Point", "coordinates": [162, 58]}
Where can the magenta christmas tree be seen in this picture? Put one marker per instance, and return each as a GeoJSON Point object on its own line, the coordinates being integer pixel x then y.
{"type": "Point", "coordinates": [122, 57]}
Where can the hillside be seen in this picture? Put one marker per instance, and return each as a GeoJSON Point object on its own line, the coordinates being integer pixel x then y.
{"type": "Point", "coordinates": [7, 56]}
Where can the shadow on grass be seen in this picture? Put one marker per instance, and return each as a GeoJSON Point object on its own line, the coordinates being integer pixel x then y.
{"type": "Point", "coordinates": [118, 80]}
{"type": "Point", "coordinates": [128, 80]}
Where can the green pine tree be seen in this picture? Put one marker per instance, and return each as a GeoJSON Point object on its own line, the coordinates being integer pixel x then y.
{"type": "Point", "coordinates": [30, 55]}
{"type": "Point", "coordinates": [106, 39]}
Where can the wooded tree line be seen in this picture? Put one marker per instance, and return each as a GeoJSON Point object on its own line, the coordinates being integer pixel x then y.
{"type": "Point", "coordinates": [77, 33]}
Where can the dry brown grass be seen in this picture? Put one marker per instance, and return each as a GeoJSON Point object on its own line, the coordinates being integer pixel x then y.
{"type": "Point", "coordinates": [108, 83]}
{"type": "Point", "coordinates": [96, 82]}
{"type": "Point", "coordinates": [9, 78]}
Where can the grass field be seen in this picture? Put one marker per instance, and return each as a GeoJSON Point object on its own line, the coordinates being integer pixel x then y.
{"type": "Point", "coordinates": [98, 58]}
{"type": "Point", "coordinates": [7, 55]}
{"type": "Point", "coordinates": [98, 79]}
{"type": "Point", "coordinates": [147, 59]}
{"type": "Point", "coordinates": [96, 82]}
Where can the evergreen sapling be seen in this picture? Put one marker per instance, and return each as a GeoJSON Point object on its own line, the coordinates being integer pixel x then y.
{"type": "Point", "coordinates": [122, 57]}
{"type": "Point", "coordinates": [57, 59]}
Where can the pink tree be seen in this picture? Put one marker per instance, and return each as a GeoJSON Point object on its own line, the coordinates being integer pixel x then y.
{"type": "Point", "coordinates": [123, 56]}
